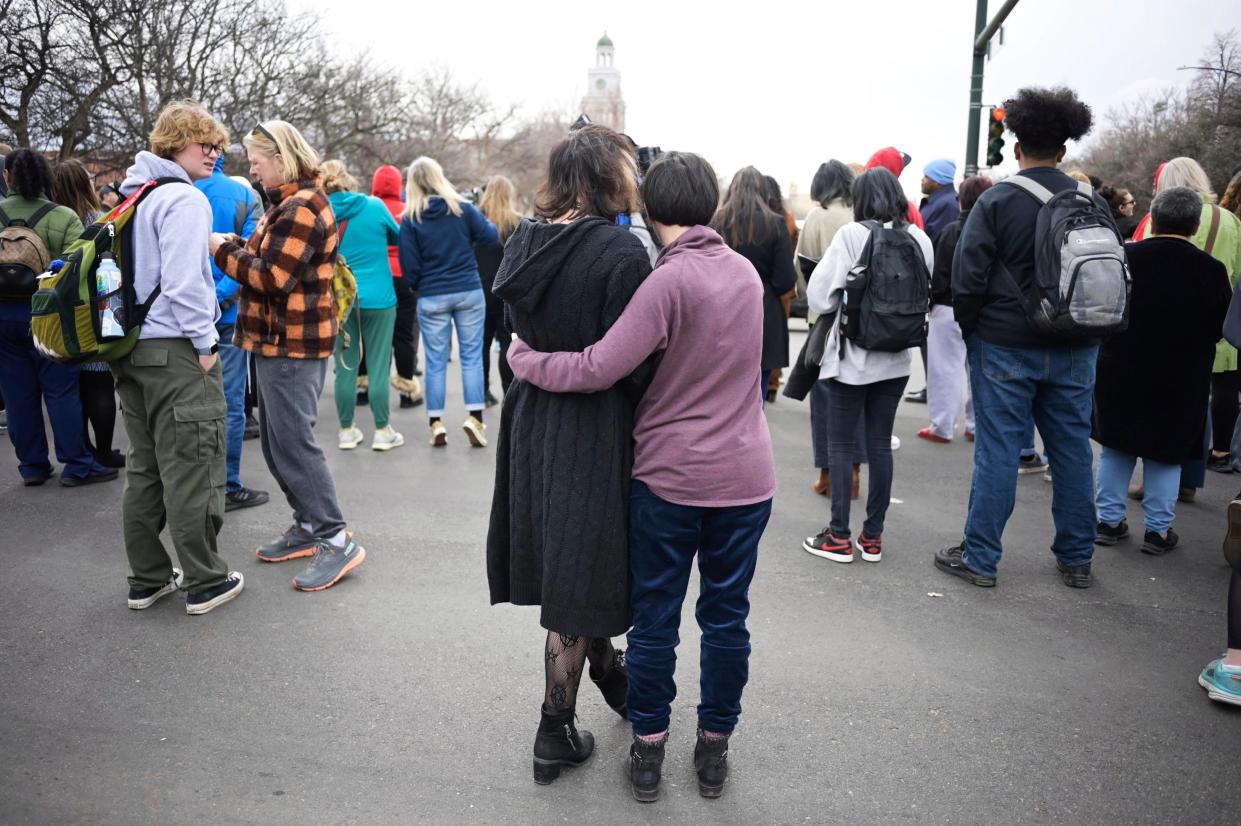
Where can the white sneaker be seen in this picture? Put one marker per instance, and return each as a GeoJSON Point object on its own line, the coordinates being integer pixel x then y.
{"type": "Point", "coordinates": [896, 442]}
{"type": "Point", "coordinates": [475, 431]}
{"type": "Point", "coordinates": [439, 435]}
{"type": "Point", "coordinates": [350, 438]}
{"type": "Point", "coordinates": [387, 439]}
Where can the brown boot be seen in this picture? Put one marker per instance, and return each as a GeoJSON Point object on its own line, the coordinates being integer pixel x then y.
{"type": "Point", "coordinates": [823, 487]}
{"type": "Point", "coordinates": [857, 483]}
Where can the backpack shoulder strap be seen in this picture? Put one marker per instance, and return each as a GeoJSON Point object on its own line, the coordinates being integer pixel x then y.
{"type": "Point", "coordinates": [4, 218]}
{"type": "Point", "coordinates": [127, 245]}
{"type": "Point", "coordinates": [1214, 231]}
{"type": "Point", "coordinates": [1036, 190]}
{"type": "Point", "coordinates": [1085, 189]}
{"type": "Point", "coordinates": [40, 214]}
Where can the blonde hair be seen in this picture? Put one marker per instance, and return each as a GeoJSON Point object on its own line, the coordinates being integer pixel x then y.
{"type": "Point", "coordinates": [298, 161]}
{"type": "Point", "coordinates": [336, 177]}
{"type": "Point", "coordinates": [1078, 175]}
{"type": "Point", "coordinates": [425, 179]}
{"type": "Point", "coordinates": [181, 123]}
{"type": "Point", "coordinates": [1185, 172]}
{"type": "Point", "coordinates": [498, 205]}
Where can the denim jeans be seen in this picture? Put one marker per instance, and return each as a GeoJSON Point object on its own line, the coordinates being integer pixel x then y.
{"type": "Point", "coordinates": [820, 438]}
{"type": "Point", "coordinates": [437, 315]}
{"type": "Point", "coordinates": [1055, 386]}
{"type": "Point", "coordinates": [234, 363]}
{"type": "Point", "coordinates": [875, 404]}
{"type": "Point", "coordinates": [26, 379]}
{"type": "Point", "coordinates": [1161, 482]}
{"type": "Point", "coordinates": [663, 538]}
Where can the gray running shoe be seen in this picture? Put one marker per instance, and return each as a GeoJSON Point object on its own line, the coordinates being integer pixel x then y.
{"type": "Point", "coordinates": [295, 543]}
{"type": "Point", "coordinates": [331, 562]}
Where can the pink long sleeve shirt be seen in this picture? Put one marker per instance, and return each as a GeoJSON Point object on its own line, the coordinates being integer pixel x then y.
{"type": "Point", "coordinates": [701, 438]}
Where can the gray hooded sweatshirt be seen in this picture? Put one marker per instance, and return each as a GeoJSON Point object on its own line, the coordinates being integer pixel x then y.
{"type": "Point", "coordinates": [171, 228]}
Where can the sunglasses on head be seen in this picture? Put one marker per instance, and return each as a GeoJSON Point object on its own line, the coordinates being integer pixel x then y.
{"type": "Point", "coordinates": [261, 130]}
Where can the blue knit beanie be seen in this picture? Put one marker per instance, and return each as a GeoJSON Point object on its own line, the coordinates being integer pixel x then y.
{"type": "Point", "coordinates": [941, 171]}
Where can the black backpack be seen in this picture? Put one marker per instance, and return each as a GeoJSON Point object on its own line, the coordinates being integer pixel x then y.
{"type": "Point", "coordinates": [887, 293]}
{"type": "Point", "coordinates": [1080, 287]}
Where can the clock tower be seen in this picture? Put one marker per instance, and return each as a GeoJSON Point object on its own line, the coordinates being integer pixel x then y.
{"type": "Point", "coordinates": [603, 103]}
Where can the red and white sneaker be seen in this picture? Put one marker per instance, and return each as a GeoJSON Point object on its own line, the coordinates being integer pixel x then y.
{"type": "Point", "coordinates": [829, 546]}
{"type": "Point", "coordinates": [870, 549]}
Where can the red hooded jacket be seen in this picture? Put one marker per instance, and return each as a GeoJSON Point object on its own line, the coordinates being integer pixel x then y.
{"type": "Point", "coordinates": [386, 186]}
{"type": "Point", "coordinates": [893, 160]}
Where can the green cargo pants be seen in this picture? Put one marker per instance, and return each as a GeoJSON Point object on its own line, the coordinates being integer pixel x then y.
{"type": "Point", "coordinates": [174, 415]}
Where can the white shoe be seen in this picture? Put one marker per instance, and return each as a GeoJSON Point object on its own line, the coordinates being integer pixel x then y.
{"type": "Point", "coordinates": [896, 442]}
{"type": "Point", "coordinates": [387, 439]}
{"type": "Point", "coordinates": [350, 438]}
{"type": "Point", "coordinates": [475, 431]}
{"type": "Point", "coordinates": [439, 435]}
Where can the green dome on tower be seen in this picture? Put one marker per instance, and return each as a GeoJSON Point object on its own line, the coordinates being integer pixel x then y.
{"type": "Point", "coordinates": [605, 41]}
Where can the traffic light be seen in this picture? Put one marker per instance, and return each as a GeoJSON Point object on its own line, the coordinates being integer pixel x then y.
{"type": "Point", "coordinates": [995, 137]}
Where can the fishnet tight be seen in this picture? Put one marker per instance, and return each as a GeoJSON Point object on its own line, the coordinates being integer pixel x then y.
{"type": "Point", "coordinates": [564, 660]}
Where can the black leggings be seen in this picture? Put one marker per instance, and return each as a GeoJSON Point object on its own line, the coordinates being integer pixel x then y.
{"type": "Point", "coordinates": [493, 330]}
{"type": "Point", "coordinates": [405, 333]}
{"type": "Point", "coordinates": [98, 407]}
{"type": "Point", "coordinates": [1234, 608]}
{"type": "Point", "coordinates": [875, 404]}
{"type": "Point", "coordinates": [1225, 405]}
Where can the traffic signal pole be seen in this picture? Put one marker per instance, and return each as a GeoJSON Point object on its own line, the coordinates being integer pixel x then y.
{"type": "Point", "coordinates": [983, 32]}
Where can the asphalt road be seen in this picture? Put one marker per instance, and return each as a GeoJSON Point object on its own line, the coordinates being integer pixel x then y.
{"type": "Point", "coordinates": [880, 694]}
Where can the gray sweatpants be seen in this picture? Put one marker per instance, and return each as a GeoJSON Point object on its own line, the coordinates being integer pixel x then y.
{"type": "Point", "coordinates": [288, 391]}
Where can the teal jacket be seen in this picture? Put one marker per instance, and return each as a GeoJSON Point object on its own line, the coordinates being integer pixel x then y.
{"type": "Point", "coordinates": [366, 229]}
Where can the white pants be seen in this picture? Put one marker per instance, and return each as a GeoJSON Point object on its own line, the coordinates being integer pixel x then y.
{"type": "Point", "coordinates": [946, 373]}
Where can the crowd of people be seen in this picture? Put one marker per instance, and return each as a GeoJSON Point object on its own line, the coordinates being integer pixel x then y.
{"type": "Point", "coordinates": [639, 320]}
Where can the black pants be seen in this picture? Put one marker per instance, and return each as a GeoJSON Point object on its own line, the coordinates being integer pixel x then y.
{"type": "Point", "coordinates": [98, 408]}
{"type": "Point", "coordinates": [1225, 405]}
{"type": "Point", "coordinates": [405, 334]}
{"type": "Point", "coordinates": [1234, 608]}
{"type": "Point", "coordinates": [877, 404]}
{"type": "Point", "coordinates": [493, 330]}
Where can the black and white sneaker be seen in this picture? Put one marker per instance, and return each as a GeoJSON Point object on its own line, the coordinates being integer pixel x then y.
{"type": "Point", "coordinates": [244, 498]}
{"type": "Point", "coordinates": [142, 598]}
{"type": "Point", "coordinates": [1034, 463]}
{"type": "Point", "coordinates": [214, 597]}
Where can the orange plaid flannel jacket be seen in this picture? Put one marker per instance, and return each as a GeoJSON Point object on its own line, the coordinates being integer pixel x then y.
{"type": "Point", "coordinates": [285, 305]}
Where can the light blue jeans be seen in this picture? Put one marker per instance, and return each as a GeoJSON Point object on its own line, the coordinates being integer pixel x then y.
{"type": "Point", "coordinates": [1161, 482]}
{"type": "Point", "coordinates": [437, 314]}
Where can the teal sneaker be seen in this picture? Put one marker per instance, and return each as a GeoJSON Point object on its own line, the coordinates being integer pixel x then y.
{"type": "Point", "coordinates": [1220, 687]}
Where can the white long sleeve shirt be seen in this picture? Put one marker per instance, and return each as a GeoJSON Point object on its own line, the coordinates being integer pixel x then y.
{"type": "Point", "coordinates": [854, 365]}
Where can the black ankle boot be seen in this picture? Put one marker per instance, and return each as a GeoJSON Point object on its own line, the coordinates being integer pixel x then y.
{"type": "Point", "coordinates": [614, 684]}
{"type": "Point", "coordinates": [711, 763]}
{"type": "Point", "coordinates": [559, 743]}
{"type": "Point", "coordinates": [646, 760]}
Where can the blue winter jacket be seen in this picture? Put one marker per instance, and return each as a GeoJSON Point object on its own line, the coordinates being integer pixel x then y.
{"type": "Point", "coordinates": [437, 252]}
{"type": "Point", "coordinates": [940, 210]}
{"type": "Point", "coordinates": [234, 209]}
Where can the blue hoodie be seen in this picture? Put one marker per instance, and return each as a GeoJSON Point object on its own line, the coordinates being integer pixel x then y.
{"type": "Point", "coordinates": [437, 252]}
{"type": "Point", "coordinates": [235, 210]}
{"type": "Point", "coordinates": [366, 229]}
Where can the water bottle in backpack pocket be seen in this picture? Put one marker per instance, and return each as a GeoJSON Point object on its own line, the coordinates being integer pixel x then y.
{"type": "Point", "coordinates": [887, 293]}
{"type": "Point", "coordinates": [1080, 287]}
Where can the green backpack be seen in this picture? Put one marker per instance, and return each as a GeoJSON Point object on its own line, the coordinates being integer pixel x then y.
{"type": "Point", "coordinates": [66, 315]}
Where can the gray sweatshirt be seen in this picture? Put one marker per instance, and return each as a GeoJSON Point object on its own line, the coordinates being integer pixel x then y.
{"type": "Point", "coordinates": [171, 228]}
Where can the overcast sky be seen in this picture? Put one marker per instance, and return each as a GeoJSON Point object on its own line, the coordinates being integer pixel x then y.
{"type": "Point", "coordinates": [785, 85]}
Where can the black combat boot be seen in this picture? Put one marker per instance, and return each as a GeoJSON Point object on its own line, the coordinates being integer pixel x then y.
{"type": "Point", "coordinates": [711, 763]}
{"type": "Point", "coordinates": [614, 684]}
{"type": "Point", "coordinates": [646, 760]}
{"type": "Point", "coordinates": [559, 743]}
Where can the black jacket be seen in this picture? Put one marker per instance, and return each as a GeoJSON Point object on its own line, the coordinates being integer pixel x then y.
{"type": "Point", "coordinates": [945, 249]}
{"type": "Point", "coordinates": [773, 259]}
{"type": "Point", "coordinates": [994, 262]}
{"type": "Point", "coordinates": [559, 515]}
{"type": "Point", "coordinates": [1153, 380]}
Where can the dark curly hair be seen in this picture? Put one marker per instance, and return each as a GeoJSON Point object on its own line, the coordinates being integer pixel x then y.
{"type": "Point", "coordinates": [30, 175]}
{"type": "Point", "coordinates": [1044, 119]}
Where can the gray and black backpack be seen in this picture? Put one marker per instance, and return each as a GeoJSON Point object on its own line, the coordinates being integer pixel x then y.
{"type": "Point", "coordinates": [1080, 288]}
{"type": "Point", "coordinates": [887, 293]}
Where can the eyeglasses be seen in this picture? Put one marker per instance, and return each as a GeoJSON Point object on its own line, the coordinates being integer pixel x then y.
{"type": "Point", "coordinates": [261, 130]}
{"type": "Point", "coordinates": [209, 148]}
{"type": "Point", "coordinates": [1130, 202]}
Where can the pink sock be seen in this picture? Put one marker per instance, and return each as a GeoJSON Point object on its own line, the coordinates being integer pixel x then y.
{"type": "Point", "coordinates": [713, 735]}
{"type": "Point", "coordinates": [654, 738]}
